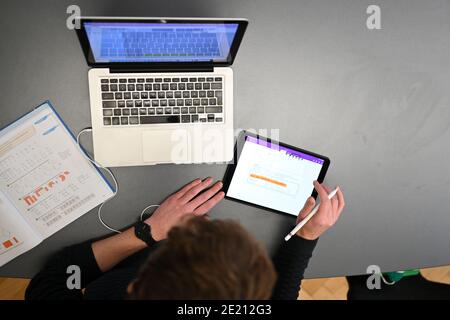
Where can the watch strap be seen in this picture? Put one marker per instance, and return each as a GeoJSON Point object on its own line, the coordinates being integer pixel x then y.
{"type": "Point", "coordinates": [143, 232]}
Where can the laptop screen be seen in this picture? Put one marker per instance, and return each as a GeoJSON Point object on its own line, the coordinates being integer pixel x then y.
{"type": "Point", "coordinates": [122, 42]}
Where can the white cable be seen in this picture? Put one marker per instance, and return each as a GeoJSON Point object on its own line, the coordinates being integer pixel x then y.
{"type": "Point", "coordinates": [86, 155]}
{"type": "Point", "coordinates": [389, 283]}
{"type": "Point", "coordinates": [150, 206]}
{"type": "Point", "coordinates": [99, 211]}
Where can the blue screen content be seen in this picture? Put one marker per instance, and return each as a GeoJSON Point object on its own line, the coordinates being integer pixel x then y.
{"type": "Point", "coordinates": [160, 42]}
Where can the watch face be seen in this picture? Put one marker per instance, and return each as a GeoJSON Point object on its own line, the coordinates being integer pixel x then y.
{"type": "Point", "coordinates": [143, 232]}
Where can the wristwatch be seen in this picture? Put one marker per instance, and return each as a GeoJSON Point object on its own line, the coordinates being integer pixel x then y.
{"type": "Point", "coordinates": [143, 232]}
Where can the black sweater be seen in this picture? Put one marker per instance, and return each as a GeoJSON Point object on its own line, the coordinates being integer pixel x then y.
{"type": "Point", "coordinates": [50, 283]}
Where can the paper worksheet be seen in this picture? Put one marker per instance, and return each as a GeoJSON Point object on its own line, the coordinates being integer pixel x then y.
{"type": "Point", "coordinates": [45, 181]}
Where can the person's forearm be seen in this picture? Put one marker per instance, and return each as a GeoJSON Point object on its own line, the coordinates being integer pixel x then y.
{"type": "Point", "coordinates": [290, 262]}
{"type": "Point", "coordinates": [51, 281]}
{"type": "Point", "coordinates": [110, 251]}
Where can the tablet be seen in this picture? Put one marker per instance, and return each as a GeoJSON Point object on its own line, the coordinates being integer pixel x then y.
{"type": "Point", "coordinates": [272, 175]}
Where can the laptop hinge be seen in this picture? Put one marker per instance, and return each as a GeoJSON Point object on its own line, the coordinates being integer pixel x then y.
{"type": "Point", "coordinates": [162, 69]}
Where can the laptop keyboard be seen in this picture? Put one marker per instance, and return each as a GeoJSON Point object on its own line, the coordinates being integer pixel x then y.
{"type": "Point", "coordinates": [136, 101]}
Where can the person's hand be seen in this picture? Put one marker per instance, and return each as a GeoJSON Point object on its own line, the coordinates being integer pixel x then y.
{"type": "Point", "coordinates": [327, 215]}
{"type": "Point", "coordinates": [188, 200]}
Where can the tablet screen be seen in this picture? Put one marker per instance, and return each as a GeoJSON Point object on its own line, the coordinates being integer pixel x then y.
{"type": "Point", "coordinates": [274, 176]}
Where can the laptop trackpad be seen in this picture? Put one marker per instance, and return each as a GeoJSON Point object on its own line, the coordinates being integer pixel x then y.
{"type": "Point", "coordinates": [169, 146]}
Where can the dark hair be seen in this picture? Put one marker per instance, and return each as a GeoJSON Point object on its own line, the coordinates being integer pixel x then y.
{"type": "Point", "coordinates": [206, 259]}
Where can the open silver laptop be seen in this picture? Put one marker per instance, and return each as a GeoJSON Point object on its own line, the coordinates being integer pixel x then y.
{"type": "Point", "coordinates": [161, 89]}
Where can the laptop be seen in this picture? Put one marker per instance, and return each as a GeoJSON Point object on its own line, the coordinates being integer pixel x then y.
{"type": "Point", "coordinates": [161, 89]}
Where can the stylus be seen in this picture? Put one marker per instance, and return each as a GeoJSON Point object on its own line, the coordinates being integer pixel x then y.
{"type": "Point", "coordinates": [309, 216]}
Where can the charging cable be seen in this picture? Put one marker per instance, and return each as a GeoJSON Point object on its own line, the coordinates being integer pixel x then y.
{"type": "Point", "coordinates": [116, 185]}
{"type": "Point", "coordinates": [98, 165]}
{"type": "Point", "coordinates": [148, 207]}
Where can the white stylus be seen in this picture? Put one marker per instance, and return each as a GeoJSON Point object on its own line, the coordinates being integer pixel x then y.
{"type": "Point", "coordinates": [309, 216]}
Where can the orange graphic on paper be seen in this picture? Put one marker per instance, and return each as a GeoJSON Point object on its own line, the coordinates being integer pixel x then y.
{"type": "Point", "coordinates": [7, 244]}
{"type": "Point", "coordinates": [44, 188]}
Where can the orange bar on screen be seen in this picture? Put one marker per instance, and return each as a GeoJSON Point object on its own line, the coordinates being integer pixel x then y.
{"type": "Point", "coordinates": [278, 183]}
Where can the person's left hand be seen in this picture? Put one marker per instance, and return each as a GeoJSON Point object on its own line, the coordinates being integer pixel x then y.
{"type": "Point", "coordinates": [188, 200]}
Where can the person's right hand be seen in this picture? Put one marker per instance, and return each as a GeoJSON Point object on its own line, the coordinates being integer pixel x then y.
{"type": "Point", "coordinates": [195, 198]}
{"type": "Point", "coordinates": [327, 215]}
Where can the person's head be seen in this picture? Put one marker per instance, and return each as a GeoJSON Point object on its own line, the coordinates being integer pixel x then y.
{"type": "Point", "coordinates": [206, 259]}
